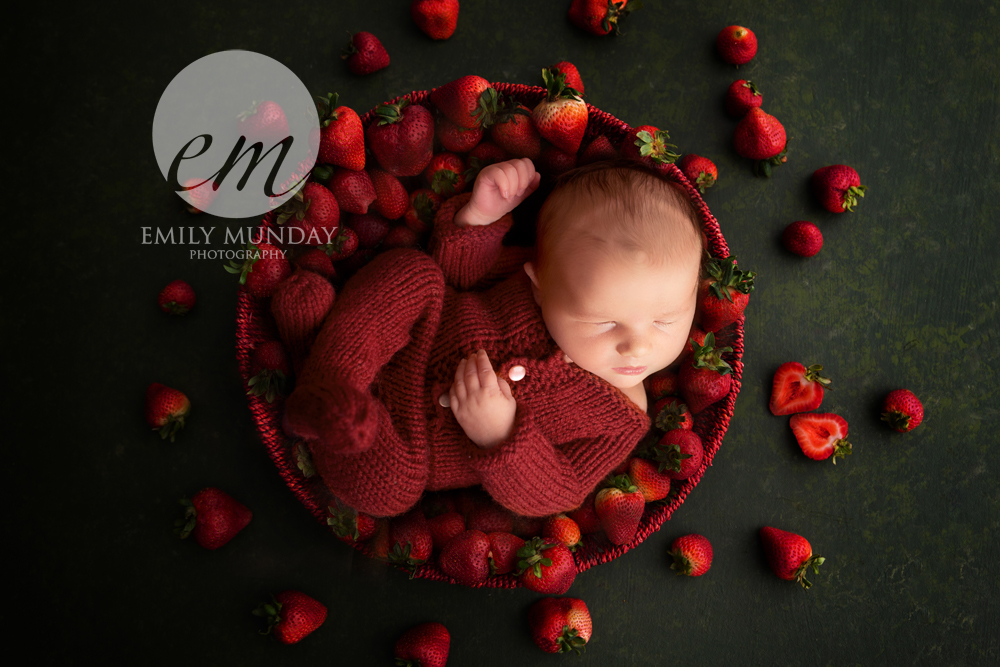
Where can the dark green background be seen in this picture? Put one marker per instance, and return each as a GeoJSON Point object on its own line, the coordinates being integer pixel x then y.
{"type": "Point", "coordinates": [903, 294]}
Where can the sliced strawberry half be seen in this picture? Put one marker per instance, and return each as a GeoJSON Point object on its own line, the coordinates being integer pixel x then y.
{"type": "Point", "coordinates": [797, 388]}
{"type": "Point", "coordinates": [821, 435]}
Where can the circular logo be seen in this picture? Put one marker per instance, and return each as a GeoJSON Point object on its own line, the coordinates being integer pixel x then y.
{"type": "Point", "coordinates": [235, 133]}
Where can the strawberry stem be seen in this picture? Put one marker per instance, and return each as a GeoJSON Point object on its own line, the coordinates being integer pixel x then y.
{"type": "Point", "coordinates": [800, 573]}
{"type": "Point", "coordinates": [851, 196]}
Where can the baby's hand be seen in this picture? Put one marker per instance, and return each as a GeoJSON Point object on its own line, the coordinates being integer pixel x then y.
{"type": "Point", "coordinates": [482, 404]}
{"type": "Point", "coordinates": [498, 189]}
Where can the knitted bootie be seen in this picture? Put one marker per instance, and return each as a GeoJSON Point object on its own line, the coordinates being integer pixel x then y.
{"type": "Point", "coordinates": [336, 416]}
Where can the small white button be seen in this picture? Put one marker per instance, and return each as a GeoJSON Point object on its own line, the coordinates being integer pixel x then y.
{"type": "Point", "coordinates": [516, 373]}
{"type": "Point", "coordinates": [444, 401]}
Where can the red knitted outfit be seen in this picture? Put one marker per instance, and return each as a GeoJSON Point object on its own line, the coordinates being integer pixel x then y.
{"type": "Point", "coordinates": [389, 348]}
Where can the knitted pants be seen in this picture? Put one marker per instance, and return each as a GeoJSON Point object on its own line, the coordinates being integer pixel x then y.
{"type": "Point", "coordinates": [389, 310]}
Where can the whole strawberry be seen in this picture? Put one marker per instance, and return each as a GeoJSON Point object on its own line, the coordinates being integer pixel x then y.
{"type": "Point", "coordinates": [465, 558]}
{"type": "Point", "coordinates": [664, 383]}
{"type": "Point", "coordinates": [468, 102]}
{"type": "Point", "coordinates": [600, 148]}
{"type": "Point", "coordinates": [704, 376]}
{"type": "Point", "coordinates": [652, 483]}
{"type": "Point", "coordinates": [563, 530]}
{"type": "Point", "coordinates": [514, 132]}
{"type": "Point", "coordinates": [200, 194]}
{"type": "Point", "coordinates": [317, 261]}
{"type": "Point", "coordinates": [455, 138]}
{"type": "Point", "coordinates": [724, 294]}
{"type": "Point", "coordinates": [490, 518]}
{"type": "Point", "coordinates": [737, 45]}
{"type": "Point", "coordinates": [435, 18]}
{"type": "Point", "coordinates": [213, 517]}
{"type": "Point", "coordinates": [314, 206]}
{"type": "Point", "coordinates": [679, 454]}
{"type": "Point", "coordinates": [264, 267]}
{"type": "Point", "coordinates": [353, 190]}
{"type": "Point", "coordinates": [649, 145]}
{"type": "Point", "coordinates": [560, 625]}
{"type": "Point", "coordinates": [424, 645]}
{"type": "Point", "coordinates": [391, 198]}
{"type": "Point", "coordinates": [620, 509]}
{"type": "Point", "coordinates": [342, 138]}
{"type": "Point", "coordinates": [264, 122]}
{"type": "Point", "coordinates": [371, 229]}
{"type": "Point", "coordinates": [411, 541]}
{"type": "Point", "coordinates": [561, 117]}
{"type": "Point", "coordinates": [445, 174]}
{"type": "Point", "coordinates": [821, 435]}
{"type": "Point", "coordinates": [402, 138]}
{"type": "Point", "coordinates": [572, 75]}
{"type": "Point", "coordinates": [670, 412]}
{"type": "Point", "coordinates": [166, 410]}
{"type": "Point", "coordinates": [503, 552]}
{"type": "Point", "coordinates": [838, 187]}
{"type": "Point", "coordinates": [177, 298]}
{"type": "Point", "coordinates": [271, 371]}
{"type": "Point", "coordinates": [761, 137]}
{"type": "Point", "coordinates": [343, 245]}
{"type": "Point", "coordinates": [554, 161]}
{"type": "Point", "coordinates": [599, 17]}
{"type": "Point", "coordinates": [802, 238]}
{"type": "Point", "coordinates": [796, 388]}
{"type": "Point", "coordinates": [292, 616]}
{"type": "Point", "coordinates": [701, 171]}
{"type": "Point", "coordinates": [789, 555]}
{"type": "Point", "coordinates": [902, 410]}
{"type": "Point", "coordinates": [545, 567]}
{"type": "Point", "coordinates": [585, 515]}
{"type": "Point", "coordinates": [741, 97]}
{"type": "Point", "coordinates": [445, 526]}
{"type": "Point", "coordinates": [424, 205]}
{"type": "Point", "coordinates": [349, 525]}
{"type": "Point", "coordinates": [692, 555]}
{"type": "Point", "coordinates": [365, 54]}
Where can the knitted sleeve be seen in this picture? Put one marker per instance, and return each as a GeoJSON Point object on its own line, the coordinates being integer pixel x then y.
{"type": "Point", "coordinates": [533, 476]}
{"type": "Point", "coordinates": [465, 254]}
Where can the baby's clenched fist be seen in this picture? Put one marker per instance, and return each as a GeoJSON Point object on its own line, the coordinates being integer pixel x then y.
{"type": "Point", "coordinates": [481, 402]}
{"type": "Point", "coordinates": [499, 188]}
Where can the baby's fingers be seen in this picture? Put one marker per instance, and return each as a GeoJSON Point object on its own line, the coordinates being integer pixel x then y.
{"type": "Point", "coordinates": [525, 175]}
{"type": "Point", "coordinates": [485, 375]}
{"type": "Point", "coordinates": [458, 389]}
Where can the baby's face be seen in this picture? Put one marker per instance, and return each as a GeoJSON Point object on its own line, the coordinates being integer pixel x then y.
{"type": "Point", "coordinates": [621, 319]}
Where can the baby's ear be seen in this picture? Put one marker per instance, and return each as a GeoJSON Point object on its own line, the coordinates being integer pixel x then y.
{"type": "Point", "coordinates": [536, 291]}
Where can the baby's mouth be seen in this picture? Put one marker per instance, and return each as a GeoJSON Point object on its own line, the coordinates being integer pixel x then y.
{"type": "Point", "coordinates": [629, 370]}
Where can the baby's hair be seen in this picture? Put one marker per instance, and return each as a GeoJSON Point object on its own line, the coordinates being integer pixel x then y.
{"type": "Point", "coordinates": [634, 197]}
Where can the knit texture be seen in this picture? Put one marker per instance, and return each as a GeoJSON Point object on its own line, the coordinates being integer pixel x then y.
{"type": "Point", "coordinates": [299, 304]}
{"type": "Point", "coordinates": [366, 400]}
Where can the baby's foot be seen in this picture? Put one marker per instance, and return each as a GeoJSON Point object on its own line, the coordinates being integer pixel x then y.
{"type": "Point", "coordinates": [335, 415]}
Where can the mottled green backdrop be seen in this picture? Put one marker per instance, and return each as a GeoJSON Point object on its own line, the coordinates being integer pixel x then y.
{"type": "Point", "coordinates": [903, 294]}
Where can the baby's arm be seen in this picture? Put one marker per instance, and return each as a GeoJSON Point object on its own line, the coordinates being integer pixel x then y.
{"type": "Point", "coordinates": [499, 188]}
{"type": "Point", "coordinates": [482, 403]}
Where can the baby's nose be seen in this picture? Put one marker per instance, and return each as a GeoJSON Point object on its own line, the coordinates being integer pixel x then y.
{"type": "Point", "coordinates": [634, 346]}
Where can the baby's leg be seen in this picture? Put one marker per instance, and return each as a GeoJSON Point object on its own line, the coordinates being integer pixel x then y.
{"type": "Point", "coordinates": [397, 293]}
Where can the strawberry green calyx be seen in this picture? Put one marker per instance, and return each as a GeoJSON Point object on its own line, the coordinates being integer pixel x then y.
{"type": "Point", "coordinates": [390, 113]}
{"type": "Point", "coordinates": [726, 276]}
{"type": "Point", "coordinates": [295, 206]}
{"type": "Point", "coordinates": [753, 88]}
{"type": "Point", "coordinates": [246, 113]}
{"type": "Point", "coordinates": [556, 86]}
{"type": "Point", "coordinates": [897, 419]}
{"type": "Point", "coordinates": [623, 482]}
{"type": "Point", "coordinates": [326, 108]}
{"type": "Point", "coordinates": [336, 244]}
{"type": "Point", "coordinates": [350, 49]}
{"type": "Point", "coordinates": [570, 640]}
{"type": "Point", "coordinates": [704, 181]}
{"type": "Point", "coordinates": [669, 458]}
{"type": "Point", "coordinates": [681, 563]}
{"type": "Point", "coordinates": [508, 109]}
{"type": "Point", "coordinates": [800, 573]}
{"type": "Point", "coordinates": [673, 415]}
{"type": "Point", "coordinates": [841, 449]}
{"type": "Point", "coordinates": [252, 255]}
{"type": "Point", "coordinates": [655, 147]}
{"type": "Point", "coordinates": [343, 521]}
{"type": "Point", "coordinates": [616, 12]}
{"type": "Point", "coordinates": [708, 357]}
{"type": "Point", "coordinates": [764, 167]}
{"type": "Point", "coordinates": [272, 612]}
{"type": "Point", "coordinates": [268, 383]}
{"type": "Point", "coordinates": [444, 183]}
{"type": "Point", "coordinates": [184, 525]}
{"type": "Point", "coordinates": [851, 196]}
{"type": "Point", "coordinates": [400, 556]}
{"type": "Point", "coordinates": [303, 459]}
{"type": "Point", "coordinates": [531, 557]}
{"type": "Point", "coordinates": [813, 375]}
{"type": "Point", "coordinates": [489, 106]}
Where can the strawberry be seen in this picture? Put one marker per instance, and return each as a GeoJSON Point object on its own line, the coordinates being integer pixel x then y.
{"type": "Point", "coordinates": [365, 54]}
{"type": "Point", "coordinates": [724, 294]}
{"type": "Point", "coordinates": [527, 526]}
{"type": "Point", "coordinates": [838, 187]}
{"type": "Point", "coordinates": [424, 645]}
{"type": "Point", "coordinates": [264, 267]}
{"type": "Point", "coordinates": [670, 412]}
{"type": "Point", "coordinates": [700, 171]}
{"type": "Point", "coordinates": [455, 138]}
{"type": "Point", "coordinates": [314, 206]}
{"type": "Point", "coordinates": [350, 525]}
{"type": "Point", "coordinates": [741, 97]}
{"type": "Point", "coordinates": [514, 132]}
{"type": "Point", "coordinates": [424, 205]}
{"type": "Point", "coordinates": [737, 45]}
{"type": "Point", "coordinates": [303, 459]}
{"type": "Point", "coordinates": [620, 509]}
{"type": "Point", "coordinates": [648, 144]}
{"type": "Point", "coordinates": [213, 517]}
{"type": "Point", "coordinates": [802, 238]}
{"type": "Point", "coordinates": [821, 435]}
{"type": "Point", "coordinates": [292, 616]}
{"type": "Point", "coordinates": [343, 245]}
{"type": "Point", "coordinates": [435, 18]}
{"type": "Point", "coordinates": [704, 376]}
{"type": "Point", "coordinates": [264, 122]}
{"type": "Point", "coordinates": [902, 410]}
{"type": "Point", "coordinates": [271, 371]}
{"type": "Point", "coordinates": [400, 236]}
{"type": "Point", "coordinates": [797, 388]}
{"type": "Point", "coordinates": [371, 229]}
{"type": "Point", "coordinates": [761, 137]}
{"type": "Point", "coordinates": [177, 298]}
{"type": "Point", "coordinates": [317, 261]}
{"type": "Point", "coordinates": [572, 75]}
{"type": "Point", "coordinates": [585, 515]}
{"type": "Point", "coordinates": [561, 117]}
{"type": "Point", "coordinates": [342, 138]}
{"type": "Point", "coordinates": [600, 148]}
{"type": "Point", "coordinates": [789, 555]}
{"type": "Point", "coordinates": [402, 137]}
{"type": "Point", "coordinates": [166, 410]}
{"type": "Point", "coordinates": [468, 102]}
{"type": "Point", "coordinates": [503, 552]}
{"type": "Point", "coordinates": [692, 555]}
{"type": "Point", "coordinates": [353, 190]}
{"type": "Point", "coordinates": [664, 383]}
{"type": "Point", "coordinates": [445, 526]}
{"type": "Point", "coordinates": [545, 567]}
{"type": "Point", "coordinates": [560, 625]}
{"type": "Point", "coordinates": [445, 174]}
{"type": "Point", "coordinates": [553, 162]}
{"type": "Point", "coordinates": [411, 541]}
{"type": "Point", "coordinates": [484, 154]}
{"type": "Point", "coordinates": [490, 518]}
{"type": "Point", "coordinates": [465, 558]}
{"type": "Point", "coordinates": [200, 195]}
{"type": "Point", "coordinates": [696, 335]}
{"type": "Point", "coordinates": [561, 529]}
{"type": "Point", "coordinates": [652, 483]}
{"type": "Point", "coordinates": [599, 17]}
{"type": "Point", "coordinates": [679, 454]}
{"type": "Point", "coordinates": [391, 199]}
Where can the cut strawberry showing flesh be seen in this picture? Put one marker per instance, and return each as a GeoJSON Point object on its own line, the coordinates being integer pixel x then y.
{"type": "Point", "coordinates": [797, 388]}
{"type": "Point", "coordinates": [821, 435]}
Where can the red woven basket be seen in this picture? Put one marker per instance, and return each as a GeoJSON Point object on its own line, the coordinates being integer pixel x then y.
{"type": "Point", "coordinates": [254, 326]}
